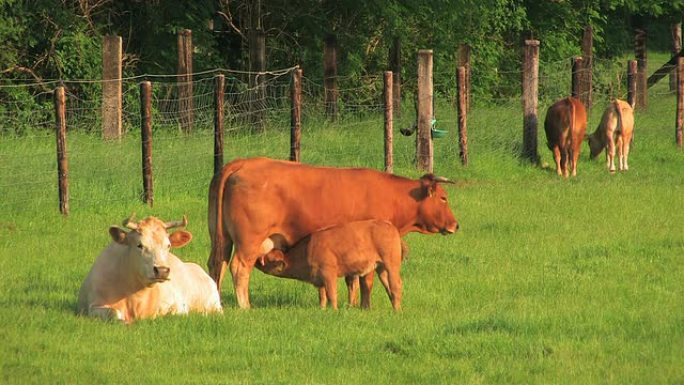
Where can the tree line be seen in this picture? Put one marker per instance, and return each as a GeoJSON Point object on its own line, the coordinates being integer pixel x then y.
{"type": "Point", "coordinates": [62, 39]}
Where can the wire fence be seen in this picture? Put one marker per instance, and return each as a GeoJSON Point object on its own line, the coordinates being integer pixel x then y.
{"type": "Point", "coordinates": [256, 123]}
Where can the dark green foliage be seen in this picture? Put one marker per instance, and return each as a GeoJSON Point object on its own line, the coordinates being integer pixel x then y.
{"type": "Point", "coordinates": [47, 39]}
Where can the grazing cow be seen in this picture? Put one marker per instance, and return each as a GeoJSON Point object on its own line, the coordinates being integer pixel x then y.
{"type": "Point", "coordinates": [565, 126]}
{"type": "Point", "coordinates": [261, 203]}
{"type": "Point", "coordinates": [616, 128]}
{"type": "Point", "coordinates": [137, 277]}
{"type": "Point", "coordinates": [354, 249]}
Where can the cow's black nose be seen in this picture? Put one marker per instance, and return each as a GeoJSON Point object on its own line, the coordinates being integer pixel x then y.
{"type": "Point", "coordinates": [161, 272]}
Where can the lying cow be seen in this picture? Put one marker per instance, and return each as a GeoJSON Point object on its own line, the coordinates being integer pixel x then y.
{"type": "Point", "coordinates": [351, 249]}
{"type": "Point", "coordinates": [261, 203]}
{"type": "Point", "coordinates": [616, 128]}
{"type": "Point", "coordinates": [137, 276]}
{"type": "Point", "coordinates": [565, 126]}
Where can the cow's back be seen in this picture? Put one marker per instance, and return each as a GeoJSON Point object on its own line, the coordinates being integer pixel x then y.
{"type": "Point", "coordinates": [626, 118]}
{"type": "Point", "coordinates": [271, 192]}
{"type": "Point", "coordinates": [355, 247]}
{"type": "Point", "coordinates": [196, 288]}
{"type": "Point", "coordinates": [565, 124]}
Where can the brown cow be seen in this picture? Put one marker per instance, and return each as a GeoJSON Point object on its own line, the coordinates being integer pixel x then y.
{"type": "Point", "coordinates": [616, 128]}
{"type": "Point", "coordinates": [137, 276]}
{"type": "Point", "coordinates": [352, 249]}
{"type": "Point", "coordinates": [565, 126]}
{"type": "Point", "coordinates": [261, 203]}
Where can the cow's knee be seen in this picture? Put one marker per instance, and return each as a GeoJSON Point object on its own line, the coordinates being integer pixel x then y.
{"type": "Point", "coordinates": [106, 313]}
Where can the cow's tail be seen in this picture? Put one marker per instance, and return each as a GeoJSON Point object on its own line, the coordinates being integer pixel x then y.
{"type": "Point", "coordinates": [221, 242]}
{"type": "Point", "coordinates": [572, 117]}
{"type": "Point", "coordinates": [618, 115]}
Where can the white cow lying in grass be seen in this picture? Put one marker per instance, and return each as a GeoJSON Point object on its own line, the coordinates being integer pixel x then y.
{"type": "Point", "coordinates": [137, 276]}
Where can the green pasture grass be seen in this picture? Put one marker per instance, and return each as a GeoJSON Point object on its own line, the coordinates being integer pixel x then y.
{"type": "Point", "coordinates": [548, 281]}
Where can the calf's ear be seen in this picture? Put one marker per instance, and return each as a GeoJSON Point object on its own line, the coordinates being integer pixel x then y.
{"type": "Point", "coordinates": [180, 238]}
{"type": "Point", "coordinates": [118, 234]}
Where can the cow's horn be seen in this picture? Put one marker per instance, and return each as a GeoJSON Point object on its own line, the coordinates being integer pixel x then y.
{"type": "Point", "coordinates": [442, 179]}
{"type": "Point", "coordinates": [128, 222]}
{"type": "Point", "coordinates": [172, 224]}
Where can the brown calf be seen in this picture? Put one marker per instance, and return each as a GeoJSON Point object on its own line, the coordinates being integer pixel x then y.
{"type": "Point", "coordinates": [351, 249]}
{"type": "Point", "coordinates": [565, 126]}
{"type": "Point", "coordinates": [616, 128]}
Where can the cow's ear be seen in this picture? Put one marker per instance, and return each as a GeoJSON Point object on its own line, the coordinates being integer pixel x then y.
{"type": "Point", "coordinates": [180, 238]}
{"type": "Point", "coordinates": [428, 184]}
{"type": "Point", "coordinates": [118, 234]}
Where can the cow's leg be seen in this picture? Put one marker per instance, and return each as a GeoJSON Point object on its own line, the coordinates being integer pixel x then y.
{"type": "Point", "coordinates": [571, 162]}
{"type": "Point", "coordinates": [352, 290]}
{"type": "Point", "coordinates": [366, 289]}
{"type": "Point", "coordinates": [384, 279]}
{"type": "Point", "coordinates": [557, 159]}
{"type": "Point", "coordinates": [241, 267]}
{"type": "Point", "coordinates": [610, 154]}
{"type": "Point", "coordinates": [330, 283]}
{"type": "Point", "coordinates": [395, 287]}
{"type": "Point", "coordinates": [322, 297]}
{"type": "Point", "coordinates": [625, 152]}
{"type": "Point", "coordinates": [564, 162]}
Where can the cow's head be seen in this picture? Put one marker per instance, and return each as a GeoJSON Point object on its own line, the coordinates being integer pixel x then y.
{"type": "Point", "coordinates": [434, 214]}
{"type": "Point", "coordinates": [148, 244]}
{"type": "Point", "coordinates": [595, 146]}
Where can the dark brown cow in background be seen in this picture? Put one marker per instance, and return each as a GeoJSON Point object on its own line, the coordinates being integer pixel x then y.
{"type": "Point", "coordinates": [616, 129]}
{"type": "Point", "coordinates": [261, 203]}
{"type": "Point", "coordinates": [565, 126]}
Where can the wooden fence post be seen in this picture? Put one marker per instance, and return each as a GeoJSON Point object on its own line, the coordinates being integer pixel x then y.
{"type": "Point", "coordinates": [530, 94]}
{"type": "Point", "coordinates": [185, 101]}
{"type": "Point", "coordinates": [62, 159]}
{"type": "Point", "coordinates": [395, 66]}
{"type": "Point", "coordinates": [296, 116]}
{"type": "Point", "coordinates": [111, 87]}
{"type": "Point", "coordinates": [631, 82]}
{"type": "Point", "coordinates": [680, 102]}
{"type": "Point", "coordinates": [676, 47]}
{"type": "Point", "coordinates": [462, 114]}
{"type": "Point", "coordinates": [218, 122]}
{"type": "Point", "coordinates": [424, 149]}
{"type": "Point", "coordinates": [577, 64]}
{"type": "Point", "coordinates": [585, 94]}
{"type": "Point", "coordinates": [464, 61]}
{"type": "Point", "coordinates": [330, 76]}
{"type": "Point", "coordinates": [642, 64]}
{"type": "Point", "coordinates": [146, 140]}
{"type": "Point", "coordinates": [389, 159]}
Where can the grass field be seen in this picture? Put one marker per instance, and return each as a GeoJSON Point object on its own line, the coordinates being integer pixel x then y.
{"type": "Point", "coordinates": [549, 281]}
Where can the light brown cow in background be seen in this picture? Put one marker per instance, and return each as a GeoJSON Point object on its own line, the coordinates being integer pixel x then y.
{"type": "Point", "coordinates": [137, 276]}
{"type": "Point", "coordinates": [565, 126]}
{"type": "Point", "coordinates": [351, 249]}
{"type": "Point", "coordinates": [616, 129]}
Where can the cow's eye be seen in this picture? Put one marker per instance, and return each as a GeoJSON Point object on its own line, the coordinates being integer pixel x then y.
{"type": "Point", "coordinates": [140, 246]}
{"type": "Point", "coordinates": [443, 199]}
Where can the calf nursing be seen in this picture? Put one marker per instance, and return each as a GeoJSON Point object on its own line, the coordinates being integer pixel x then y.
{"type": "Point", "coordinates": [351, 249]}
